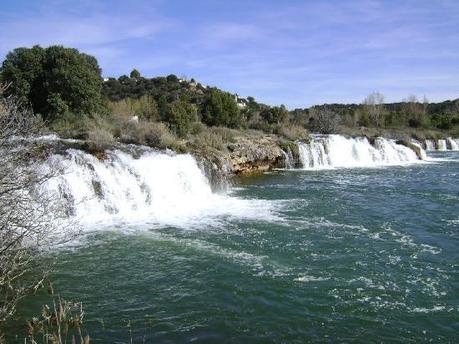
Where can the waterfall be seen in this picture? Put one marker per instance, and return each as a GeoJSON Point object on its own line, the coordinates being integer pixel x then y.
{"type": "Point", "coordinates": [452, 144]}
{"type": "Point", "coordinates": [288, 157]}
{"type": "Point", "coordinates": [329, 151]}
{"type": "Point", "coordinates": [422, 152]}
{"type": "Point", "coordinates": [441, 145]}
{"type": "Point", "coordinates": [430, 145]}
{"type": "Point", "coordinates": [146, 187]}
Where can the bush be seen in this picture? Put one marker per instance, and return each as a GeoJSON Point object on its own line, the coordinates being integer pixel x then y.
{"type": "Point", "coordinates": [275, 114]}
{"type": "Point", "coordinates": [292, 132]}
{"type": "Point", "coordinates": [216, 137]}
{"type": "Point", "coordinates": [324, 121]}
{"type": "Point", "coordinates": [70, 125]}
{"type": "Point", "coordinates": [153, 134]}
{"type": "Point", "coordinates": [144, 107]}
{"type": "Point", "coordinates": [99, 139]}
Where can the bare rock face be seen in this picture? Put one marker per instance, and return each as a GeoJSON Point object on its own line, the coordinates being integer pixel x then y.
{"type": "Point", "coordinates": [252, 155]}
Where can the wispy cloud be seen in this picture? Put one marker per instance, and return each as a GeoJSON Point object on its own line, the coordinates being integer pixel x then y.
{"type": "Point", "coordinates": [292, 52]}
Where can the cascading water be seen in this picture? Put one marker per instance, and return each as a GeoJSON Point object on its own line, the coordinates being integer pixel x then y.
{"type": "Point", "coordinates": [452, 144]}
{"type": "Point", "coordinates": [153, 188]}
{"type": "Point", "coordinates": [289, 161]}
{"type": "Point", "coordinates": [422, 152]}
{"type": "Point", "coordinates": [430, 145]}
{"type": "Point", "coordinates": [441, 145]}
{"type": "Point", "coordinates": [329, 151]}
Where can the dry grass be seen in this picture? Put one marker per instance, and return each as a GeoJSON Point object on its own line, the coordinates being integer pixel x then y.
{"type": "Point", "coordinates": [293, 132]}
{"type": "Point", "coordinates": [214, 137]}
{"type": "Point", "coordinates": [155, 134]}
{"type": "Point", "coordinates": [145, 107]}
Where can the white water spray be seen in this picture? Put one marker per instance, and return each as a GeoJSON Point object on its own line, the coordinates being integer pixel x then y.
{"type": "Point", "coordinates": [154, 188]}
{"type": "Point", "coordinates": [441, 145]}
{"type": "Point", "coordinates": [452, 144]}
{"type": "Point", "coordinates": [330, 151]}
{"type": "Point", "coordinates": [430, 145]}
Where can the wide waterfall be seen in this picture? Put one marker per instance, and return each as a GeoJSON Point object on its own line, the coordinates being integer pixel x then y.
{"type": "Point", "coordinates": [147, 187]}
{"type": "Point", "coordinates": [329, 151]}
{"type": "Point", "coordinates": [442, 144]}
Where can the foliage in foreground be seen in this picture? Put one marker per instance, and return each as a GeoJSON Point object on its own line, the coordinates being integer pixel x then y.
{"type": "Point", "coordinates": [58, 323]}
{"type": "Point", "coordinates": [27, 215]}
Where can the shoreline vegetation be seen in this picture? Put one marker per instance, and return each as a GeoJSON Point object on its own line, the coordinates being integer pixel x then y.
{"type": "Point", "coordinates": [64, 93]}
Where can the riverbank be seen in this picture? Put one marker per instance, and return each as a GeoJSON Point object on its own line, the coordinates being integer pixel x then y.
{"type": "Point", "coordinates": [226, 152]}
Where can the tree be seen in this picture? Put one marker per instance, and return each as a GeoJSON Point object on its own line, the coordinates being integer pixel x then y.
{"type": "Point", "coordinates": [54, 80]}
{"type": "Point", "coordinates": [220, 108]}
{"type": "Point", "coordinates": [181, 116]}
{"type": "Point", "coordinates": [323, 121]}
{"type": "Point", "coordinates": [374, 106]}
{"type": "Point", "coordinates": [275, 114]}
{"type": "Point", "coordinates": [414, 112]}
{"type": "Point", "coordinates": [135, 74]}
{"type": "Point", "coordinates": [172, 78]}
{"type": "Point", "coordinates": [25, 221]}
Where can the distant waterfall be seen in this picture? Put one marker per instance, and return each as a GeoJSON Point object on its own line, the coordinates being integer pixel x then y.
{"type": "Point", "coordinates": [329, 151]}
{"type": "Point", "coordinates": [146, 187]}
{"type": "Point", "coordinates": [452, 144]}
{"type": "Point", "coordinates": [441, 145]}
{"type": "Point", "coordinates": [430, 145]}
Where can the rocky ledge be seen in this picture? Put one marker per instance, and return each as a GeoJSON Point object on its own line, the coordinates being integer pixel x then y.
{"type": "Point", "coordinates": [251, 154]}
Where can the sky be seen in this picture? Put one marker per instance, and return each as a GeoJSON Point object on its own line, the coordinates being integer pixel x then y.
{"type": "Point", "coordinates": [292, 52]}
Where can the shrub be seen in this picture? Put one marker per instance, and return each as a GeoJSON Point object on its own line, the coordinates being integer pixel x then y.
{"type": "Point", "coordinates": [292, 132]}
{"type": "Point", "coordinates": [275, 114]}
{"type": "Point", "coordinates": [145, 107]}
{"type": "Point", "coordinates": [153, 134]}
{"type": "Point", "coordinates": [324, 121]}
{"type": "Point", "coordinates": [99, 139]}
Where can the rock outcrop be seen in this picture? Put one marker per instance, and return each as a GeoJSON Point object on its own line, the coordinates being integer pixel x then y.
{"type": "Point", "coordinates": [414, 147]}
{"type": "Point", "coordinates": [249, 156]}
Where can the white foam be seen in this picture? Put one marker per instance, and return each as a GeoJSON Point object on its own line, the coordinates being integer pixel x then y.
{"type": "Point", "coordinates": [337, 151]}
{"type": "Point", "coordinates": [155, 188]}
{"type": "Point", "coordinates": [452, 143]}
{"type": "Point", "coordinates": [441, 145]}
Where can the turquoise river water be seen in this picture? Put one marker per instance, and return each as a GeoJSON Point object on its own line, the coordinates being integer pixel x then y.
{"type": "Point", "coordinates": [339, 255]}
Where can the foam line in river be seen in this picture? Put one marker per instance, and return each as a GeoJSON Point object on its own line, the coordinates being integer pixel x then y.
{"type": "Point", "coordinates": [330, 151]}
{"type": "Point", "coordinates": [153, 188]}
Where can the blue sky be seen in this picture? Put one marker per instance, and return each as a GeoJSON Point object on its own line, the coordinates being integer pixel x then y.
{"type": "Point", "coordinates": [298, 53]}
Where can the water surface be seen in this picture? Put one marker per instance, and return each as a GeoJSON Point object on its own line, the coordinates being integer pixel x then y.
{"type": "Point", "coordinates": [345, 254]}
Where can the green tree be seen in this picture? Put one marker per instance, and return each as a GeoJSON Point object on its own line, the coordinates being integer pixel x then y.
{"type": "Point", "coordinates": [275, 114]}
{"type": "Point", "coordinates": [181, 116]}
{"type": "Point", "coordinates": [220, 108]}
{"type": "Point", "coordinates": [54, 80]}
{"type": "Point", "coordinates": [21, 71]}
{"type": "Point", "coordinates": [135, 74]}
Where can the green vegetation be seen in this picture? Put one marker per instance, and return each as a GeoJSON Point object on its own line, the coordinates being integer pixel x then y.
{"type": "Point", "coordinates": [220, 108]}
{"type": "Point", "coordinates": [66, 88]}
{"type": "Point", "coordinates": [54, 80]}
